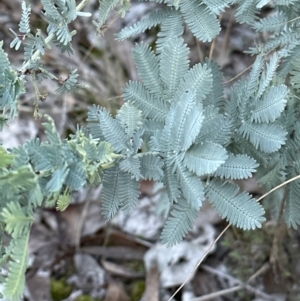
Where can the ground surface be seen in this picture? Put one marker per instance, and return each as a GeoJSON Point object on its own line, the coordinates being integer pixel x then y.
{"type": "Point", "coordinates": [75, 255]}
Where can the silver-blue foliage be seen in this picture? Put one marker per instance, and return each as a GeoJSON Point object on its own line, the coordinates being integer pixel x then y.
{"type": "Point", "coordinates": [176, 126]}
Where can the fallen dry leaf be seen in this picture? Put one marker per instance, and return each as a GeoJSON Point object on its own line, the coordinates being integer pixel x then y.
{"type": "Point", "coordinates": [152, 285]}
{"type": "Point", "coordinates": [116, 292]}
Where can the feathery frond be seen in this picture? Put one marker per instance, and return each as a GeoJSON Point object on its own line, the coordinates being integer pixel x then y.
{"type": "Point", "coordinates": [132, 166]}
{"type": "Point", "coordinates": [270, 107]}
{"type": "Point", "coordinates": [217, 6]}
{"type": "Point", "coordinates": [191, 185]}
{"type": "Point", "coordinates": [202, 23]}
{"type": "Point", "coordinates": [174, 64]}
{"type": "Point", "coordinates": [237, 167]}
{"type": "Point", "coordinates": [151, 167]}
{"type": "Point", "coordinates": [268, 75]}
{"type": "Point", "coordinates": [130, 118]}
{"type": "Point", "coordinates": [215, 97]}
{"type": "Point", "coordinates": [184, 122]}
{"type": "Point", "coordinates": [171, 28]}
{"type": "Point", "coordinates": [292, 209]}
{"type": "Point", "coordinates": [267, 137]}
{"type": "Point", "coordinates": [179, 223]}
{"type": "Point", "coordinates": [128, 190]}
{"type": "Point", "coordinates": [148, 67]}
{"type": "Point", "coordinates": [57, 180]}
{"type": "Point", "coordinates": [151, 106]}
{"type": "Point", "coordinates": [241, 210]}
{"type": "Point", "coordinates": [110, 193]}
{"type": "Point", "coordinates": [198, 79]}
{"type": "Point", "coordinates": [104, 9]}
{"type": "Point", "coordinates": [24, 26]}
{"type": "Point", "coordinates": [205, 158]}
{"type": "Point", "coordinates": [15, 281]}
{"type": "Point", "coordinates": [155, 18]}
{"type": "Point", "coordinates": [17, 219]}
{"type": "Point", "coordinates": [112, 131]}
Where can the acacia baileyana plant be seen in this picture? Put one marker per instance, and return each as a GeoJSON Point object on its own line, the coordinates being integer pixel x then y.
{"type": "Point", "coordinates": [175, 127]}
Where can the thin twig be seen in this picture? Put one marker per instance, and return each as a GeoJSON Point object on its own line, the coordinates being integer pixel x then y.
{"type": "Point", "coordinates": [200, 52]}
{"type": "Point", "coordinates": [260, 271]}
{"type": "Point", "coordinates": [226, 40]}
{"type": "Point", "coordinates": [212, 49]}
{"type": "Point", "coordinates": [232, 79]}
{"type": "Point", "coordinates": [284, 23]}
{"type": "Point", "coordinates": [116, 97]}
{"type": "Point", "coordinates": [257, 292]}
{"type": "Point", "coordinates": [220, 274]}
{"type": "Point", "coordinates": [63, 119]}
{"type": "Point", "coordinates": [294, 95]}
{"type": "Point", "coordinates": [81, 220]}
{"type": "Point", "coordinates": [279, 186]}
{"type": "Point", "coordinates": [219, 293]}
{"type": "Point", "coordinates": [240, 284]}
{"type": "Point", "coordinates": [238, 75]}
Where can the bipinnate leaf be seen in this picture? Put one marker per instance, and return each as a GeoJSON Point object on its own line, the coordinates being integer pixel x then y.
{"type": "Point", "coordinates": [267, 137]}
{"type": "Point", "coordinates": [77, 175]}
{"type": "Point", "coordinates": [130, 118]}
{"type": "Point", "coordinates": [15, 281]}
{"type": "Point", "coordinates": [202, 23]}
{"type": "Point", "coordinates": [273, 177]}
{"type": "Point", "coordinates": [147, 64]}
{"type": "Point", "coordinates": [217, 6]}
{"type": "Point", "coordinates": [22, 179]}
{"type": "Point", "coordinates": [57, 179]}
{"type": "Point", "coordinates": [268, 75]}
{"type": "Point", "coordinates": [173, 64]}
{"type": "Point", "coordinates": [151, 106]}
{"type": "Point", "coordinates": [212, 123]}
{"type": "Point", "coordinates": [17, 219]}
{"type": "Point", "coordinates": [253, 81]}
{"type": "Point", "coordinates": [112, 131]}
{"type": "Point", "coordinates": [270, 107]}
{"type": "Point", "coordinates": [184, 122]}
{"type": "Point", "coordinates": [178, 224]}
{"type": "Point", "coordinates": [172, 27]}
{"type": "Point", "coordinates": [240, 209]}
{"type": "Point", "coordinates": [104, 9]}
{"type": "Point", "coordinates": [172, 184]}
{"type": "Point", "coordinates": [120, 191]}
{"type": "Point", "coordinates": [205, 158]}
{"type": "Point", "coordinates": [110, 193]}
{"type": "Point", "coordinates": [197, 80]}
{"type": "Point", "coordinates": [237, 167]}
{"type": "Point", "coordinates": [105, 152]}
{"type": "Point", "coordinates": [215, 97]}
{"type": "Point", "coordinates": [132, 166]}
{"type": "Point", "coordinates": [24, 25]}
{"type": "Point", "coordinates": [191, 186]}
{"type": "Point", "coordinates": [94, 122]}
{"type": "Point", "coordinates": [154, 18]}
{"type": "Point", "coordinates": [292, 208]}
{"type": "Point", "coordinates": [129, 191]}
{"type": "Point", "coordinates": [151, 167]}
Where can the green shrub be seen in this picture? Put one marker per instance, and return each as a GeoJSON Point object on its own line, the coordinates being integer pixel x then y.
{"type": "Point", "coordinates": [176, 126]}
